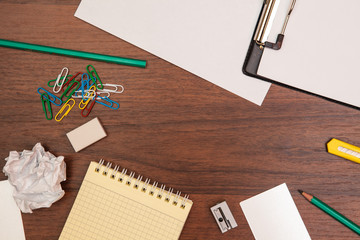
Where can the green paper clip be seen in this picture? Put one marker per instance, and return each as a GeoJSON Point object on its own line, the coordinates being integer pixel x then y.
{"type": "Point", "coordinates": [93, 74]}
{"type": "Point", "coordinates": [71, 85]}
{"type": "Point", "coordinates": [45, 98]}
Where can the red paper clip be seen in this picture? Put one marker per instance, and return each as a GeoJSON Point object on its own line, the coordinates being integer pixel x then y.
{"type": "Point", "coordinates": [72, 78]}
{"type": "Point", "coordinates": [86, 111]}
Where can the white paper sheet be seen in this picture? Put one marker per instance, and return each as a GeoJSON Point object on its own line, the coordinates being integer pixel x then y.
{"type": "Point", "coordinates": [319, 53]}
{"type": "Point", "coordinates": [11, 225]}
{"type": "Point", "coordinates": [208, 38]}
{"type": "Point", "coordinates": [273, 215]}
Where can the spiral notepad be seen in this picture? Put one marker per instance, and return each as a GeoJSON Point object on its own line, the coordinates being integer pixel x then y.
{"type": "Point", "coordinates": [113, 205]}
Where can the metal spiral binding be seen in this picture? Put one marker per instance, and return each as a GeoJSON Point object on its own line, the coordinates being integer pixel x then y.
{"type": "Point", "coordinates": [114, 172]}
{"type": "Point", "coordinates": [101, 162]}
{"type": "Point", "coordinates": [185, 198]}
{"type": "Point", "coordinates": [153, 187]}
{"type": "Point", "coordinates": [145, 185]}
{"type": "Point", "coordinates": [160, 191]}
{"type": "Point", "coordinates": [168, 195]}
{"type": "Point", "coordinates": [176, 199]}
{"type": "Point", "coordinates": [136, 185]}
{"type": "Point", "coordinates": [108, 166]}
{"type": "Point", "coordinates": [122, 175]}
{"type": "Point", "coordinates": [131, 176]}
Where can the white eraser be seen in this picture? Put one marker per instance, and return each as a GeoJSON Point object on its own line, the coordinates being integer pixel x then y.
{"type": "Point", "coordinates": [86, 134]}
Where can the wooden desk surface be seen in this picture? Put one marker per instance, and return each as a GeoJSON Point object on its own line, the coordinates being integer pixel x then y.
{"type": "Point", "coordinates": [175, 128]}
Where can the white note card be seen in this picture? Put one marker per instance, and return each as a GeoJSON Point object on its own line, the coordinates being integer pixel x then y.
{"type": "Point", "coordinates": [273, 215]}
{"type": "Point", "coordinates": [11, 225]}
{"type": "Point", "coordinates": [208, 38]}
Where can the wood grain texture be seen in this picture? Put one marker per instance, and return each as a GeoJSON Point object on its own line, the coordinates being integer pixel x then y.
{"type": "Point", "coordinates": [175, 128]}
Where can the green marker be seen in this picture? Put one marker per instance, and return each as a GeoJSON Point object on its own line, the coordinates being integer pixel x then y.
{"type": "Point", "coordinates": [73, 53]}
{"type": "Point", "coordinates": [332, 212]}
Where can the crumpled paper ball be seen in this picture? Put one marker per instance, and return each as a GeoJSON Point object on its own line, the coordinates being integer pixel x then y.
{"type": "Point", "coordinates": [36, 177]}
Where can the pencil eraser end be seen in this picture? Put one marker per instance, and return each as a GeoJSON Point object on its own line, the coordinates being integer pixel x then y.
{"type": "Point", "coordinates": [87, 134]}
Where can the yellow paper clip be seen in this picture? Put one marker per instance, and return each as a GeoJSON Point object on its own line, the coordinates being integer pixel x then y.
{"type": "Point", "coordinates": [344, 150]}
{"type": "Point", "coordinates": [63, 108]}
{"type": "Point", "coordinates": [89, 95]}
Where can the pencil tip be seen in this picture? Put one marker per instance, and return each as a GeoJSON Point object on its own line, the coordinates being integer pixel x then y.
{"type": "Point", "coordinates": [300, 191]}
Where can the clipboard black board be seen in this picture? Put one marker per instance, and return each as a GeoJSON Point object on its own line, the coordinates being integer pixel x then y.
{"type": "Point", "coordinates": [254, 56]}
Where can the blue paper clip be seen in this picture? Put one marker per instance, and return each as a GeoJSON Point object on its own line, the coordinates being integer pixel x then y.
{"type": "Point", "coordinates": [110, 102]}
{"type": "Point", "coordinates": [52, 98]}
{"type": "Point", "coordinates": [85, 84]}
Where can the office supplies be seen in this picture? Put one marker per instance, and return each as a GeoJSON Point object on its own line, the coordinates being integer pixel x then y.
{"type": "Point", "coordinates": [85, 83]}
{"type": "Point", "coordinates": [332, 212]}
{"type": "Point", "coordinates": [86, 111]}
{"type": "Point", "coordinates": [54, 80]}
{"type": "Point", "coordinates": [115, 88]}
{"type": "Point", "coordinates": [113, 205]}
{"type": "Point", "coordinates": [208, 38]}
{"type": "Point", "coordinates": [11, 225]}
{"type": "Point", "coordinates": [67, 105]}
{"type": "Point", "coordinates": [52, 98]}
{"type": "Point", "coordinates": [223, 216]}
{"type": "Point", "coordinates": [70, 90]}
{"type": "Point", "coordinates": [46, 105]}
{"type": "Point", "coordinates": [75, 78]}
{"type": "Point", "coordinates": [89, 95]}
{"type": "Point", "coordinates": [273, 215]}
{"type": "Point", "coordinates": [63, 74]}
{"type": "Point", "coordinates": [94, 76]}
{"type": "Point", "coordinates": [83, 104]}
{"type": "Point", "coordinates": [107, 102]}
{"type": "Point", "coordinates": [344, 150]}
{"type": "Point", "coordinates": [309, 60]}
{"type": "Point", "coordinates": [102, 92]}
{"type": "Point", "coordinates": [73, 53]}
{"type": "Point", "coordinates": [87, 134]}
{"type": "Point", "coordinates": [36, 176]}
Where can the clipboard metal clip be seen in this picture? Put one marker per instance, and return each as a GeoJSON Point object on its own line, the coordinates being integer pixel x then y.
{"type": "Point", "coordinates": [265, 22]}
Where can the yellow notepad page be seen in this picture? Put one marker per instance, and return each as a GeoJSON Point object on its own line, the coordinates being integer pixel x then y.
{"type": "Point", "coordinates": [108, 208]}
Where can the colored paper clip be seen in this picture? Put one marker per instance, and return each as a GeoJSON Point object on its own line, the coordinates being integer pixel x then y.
{"type": "Point", "coordinates": [45, 98]}
{"type": "Point", "coordinates": [74, 85]}
{"type": "Point", "coordinates": [58, 79]}
{"type": "Point", "coordinates": [109, 103]}
{"type": "Point", "coordinates": [77, 95]}
{"type": "Point", "coordinates": [71, 79]}
{"type": "Point", "coordinates": [87, 109]}
{"type": "Point", "coordinates": [85, 84]}
{"type": "Point", "coordinates": [93, 74]}
{"type": "Point", "coordinates": [54, 80]}
{"type": "Point", "coordinates": [99, 92]}
{"type": "Point", "coordinates": [83, 104]}
{"type": "Point", "coordinates": [115, 86]}
{"type": "Point", "coordinates": [63, 108]}
{"type": "Point", "coordinates": [91, 90]}
{"type": "Point", "coordinates": [51, 97]}
{"type": "Point", "coordinates": [89, 95]}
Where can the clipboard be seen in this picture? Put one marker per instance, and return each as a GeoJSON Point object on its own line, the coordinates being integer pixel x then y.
{"type": "Point", "coordinates": [270, 54]}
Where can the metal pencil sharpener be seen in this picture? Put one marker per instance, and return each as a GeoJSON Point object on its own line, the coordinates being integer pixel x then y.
{"type": "Point", "coordinates": [223, 216]}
